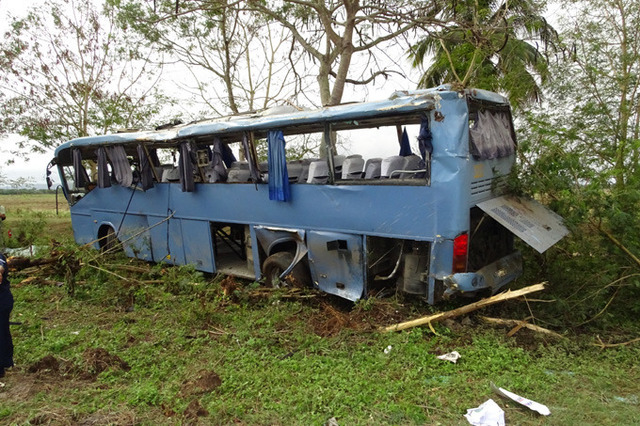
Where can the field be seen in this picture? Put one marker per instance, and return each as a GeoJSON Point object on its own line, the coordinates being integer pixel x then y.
{"type": "Point", "coordinates": [109, 340]}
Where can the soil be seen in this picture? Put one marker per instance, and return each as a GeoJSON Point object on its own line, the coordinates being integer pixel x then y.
{"type": "Point", "coordinates": [204, 382]}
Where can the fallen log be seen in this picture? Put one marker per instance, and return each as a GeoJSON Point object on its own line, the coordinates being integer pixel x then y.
{"type": "Point", "coordinates": [18, 263]}
{"type": "Point", "coordinates": [465, 309]}
{"type": "Point", "coordinates": [521, 324]}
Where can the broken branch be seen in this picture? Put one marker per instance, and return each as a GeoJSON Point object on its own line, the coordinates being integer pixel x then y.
{"type": "Point", "coordinates": [521, 324]}
{"type": "Point", "coordinates": [465, 309]}
{"type": "Point", "coordinates": [603, 345]}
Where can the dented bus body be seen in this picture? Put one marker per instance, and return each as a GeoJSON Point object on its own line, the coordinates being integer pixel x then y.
{"type": "Point", "coordinates": [425, 215]}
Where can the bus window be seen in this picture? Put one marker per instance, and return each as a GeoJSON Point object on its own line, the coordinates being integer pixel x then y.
{"type": "Point", "coordinates": [378, 155]}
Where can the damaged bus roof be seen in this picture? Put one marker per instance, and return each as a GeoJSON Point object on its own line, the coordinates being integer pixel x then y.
{"type": "Point", "coordinates": [279, 117]}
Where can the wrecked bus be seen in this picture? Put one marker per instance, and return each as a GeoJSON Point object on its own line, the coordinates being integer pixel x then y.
{"type": "Point", "coordinates": [403, 193]}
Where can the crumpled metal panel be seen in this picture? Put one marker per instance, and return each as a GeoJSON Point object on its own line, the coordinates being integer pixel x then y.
{"type": "Point", "coordinates": [337, 263]}
{"type": "Point", "coordinates": [535, 224]}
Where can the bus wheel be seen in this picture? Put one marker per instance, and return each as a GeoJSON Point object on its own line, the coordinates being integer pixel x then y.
{"type": "Point", "coordinates": [109, 241]}
{"type": "Point", "coordinates": [277, 263]}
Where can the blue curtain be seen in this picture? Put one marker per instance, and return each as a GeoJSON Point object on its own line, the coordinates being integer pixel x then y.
{"type": "Point", "coordinates": [425, 139]}
{"type": "Point", "coordinates": [186, 167]}
{"type": "Point", "coordinates": [104, 180]}
{"type": "Point", "coordinates": [405, 147]}
{"type": "Point", "coordinates": [279, 189]}
{"type": "Point", "coordinates": [146, 174]}
{"type": "Point", "coordinates": [80, 175]}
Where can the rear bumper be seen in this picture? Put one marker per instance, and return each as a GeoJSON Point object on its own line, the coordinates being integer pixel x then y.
{"type": "Point", "coordinates": [493, 276]}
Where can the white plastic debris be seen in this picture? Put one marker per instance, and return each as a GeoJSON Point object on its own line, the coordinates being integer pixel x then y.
{"type": "Point", "coordinates": [532, 405]}
{"type": "Point", "coordinates": [332, 422]}
{"type": "Point", "coordinates": [388, 349]}
{"type": "Point", "coordinates": [487, 414]}
{"type": "Point", "coordinates": [451, 357]}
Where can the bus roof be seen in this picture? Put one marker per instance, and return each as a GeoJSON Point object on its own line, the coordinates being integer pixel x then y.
{"type": "Point", "coordinates": [399, 102]}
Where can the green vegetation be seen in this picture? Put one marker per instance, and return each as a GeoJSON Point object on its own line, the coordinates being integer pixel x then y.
{"type": "Point", "coordinates": [259, 357]}
{"type": "Point", "coordinates": [106, 339]}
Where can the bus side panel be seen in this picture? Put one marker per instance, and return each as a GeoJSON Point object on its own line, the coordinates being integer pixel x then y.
{"type": "Point", "coordinates": [176, 244]}
{"type": "Point", "coordinates": [158, 232]}
{"type": "Point", "coordinates": [83, 227]}
{"type": "Point", "coordinates": [137, 239]}
{"type": "Point", "coordinates": [337, 263]}
{"type": "Point", "coordinates": [198, 248]}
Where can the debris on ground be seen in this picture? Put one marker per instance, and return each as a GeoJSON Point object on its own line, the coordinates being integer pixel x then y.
{"type": "Point", "coordinates": [487, 414]}
{"type": "Point", "coordinates": [519, 324]}
{"type": "Point", "coordinates": [451, 357]}
{"type": "Point", "coordinates": [532, 405]}
{"type": "Point", "coordinates": [507, 295]}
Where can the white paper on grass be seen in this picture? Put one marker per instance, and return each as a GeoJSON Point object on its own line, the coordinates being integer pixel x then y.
{"type": "Point", "coordinates": [487, 414]}
{"type": "Point", "coordinates": [532, 405]}
{"type": "Point", "coordinates": [451, 356]}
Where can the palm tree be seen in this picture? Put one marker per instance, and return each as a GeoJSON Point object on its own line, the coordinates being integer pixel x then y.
{"type": "Point", "coordinates": [489, 44]}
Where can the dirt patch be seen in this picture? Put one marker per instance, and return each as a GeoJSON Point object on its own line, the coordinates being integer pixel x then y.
{"type": "Point", "coordinates": [195, 410]}
{"type": "Point", "coordinates": [97, 360]}
{"type": "Point", "coordinates": [48, 363]}
{"type": "Point", "coordinates": [206, 381]}
{"type": "Point", "coordinates": [229, 285]}
{"type": "Point", "coordinates": [334, 315]}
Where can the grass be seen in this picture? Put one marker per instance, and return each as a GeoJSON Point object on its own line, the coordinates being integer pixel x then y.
{"type": "Point", "coordinates": [211, 351]}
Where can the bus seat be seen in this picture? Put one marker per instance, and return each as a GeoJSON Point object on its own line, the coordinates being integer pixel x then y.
{"type": "Point", "coordinates": [295, 169]}
{"type": "Point", "coordinates": [239, 172]}
{"type": "Point", "coordinates": [304, 174]}
{"type": "Point", "coordinates": [412, 163]}
{"type": "Point", "coordinates": [391, 164]}
{"type": "Point", "coordinates": [352, 167]}
{"type": "Point", "coordinates": [318, 172]}
{"type": "Point", "coordinates": [372, 168]}
{"type": "Point", "coordinates": [171, 174]}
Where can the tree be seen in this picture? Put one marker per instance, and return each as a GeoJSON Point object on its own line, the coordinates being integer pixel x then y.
{"type": "Point", "coordinates": [337, 32]}
{"type": "Point", "coordinates": [489, 44]}
{"type": "Point", "coordinates": [582, 149]}
{"type": "Point", "coordinates": [67, 71]}
{"type": "Point", "coordinates": [236, 59]}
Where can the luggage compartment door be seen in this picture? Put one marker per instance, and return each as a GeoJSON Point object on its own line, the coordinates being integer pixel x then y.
{"type": "Point", "coordinates": [337, 263]}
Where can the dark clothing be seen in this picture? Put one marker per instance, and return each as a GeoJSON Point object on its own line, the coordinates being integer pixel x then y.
{"type": "Point", "coordinates": [6, 305]}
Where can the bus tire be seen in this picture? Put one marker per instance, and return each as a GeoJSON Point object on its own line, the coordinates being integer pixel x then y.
{"type": "Point", "coordinates": [110, 241]}
{"type": "Point", "coordinates": [277, 263]}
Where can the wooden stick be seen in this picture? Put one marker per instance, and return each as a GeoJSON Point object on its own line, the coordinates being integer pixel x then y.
{"type": "Point", "coordinates": [465, 309]}
{"type": "Point", "coordinates": [521, 324]}
{"type": "Point", "coordinates": [603, 345]}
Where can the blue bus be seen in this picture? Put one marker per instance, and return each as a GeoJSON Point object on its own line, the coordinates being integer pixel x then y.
{"type": "Point", "coordinates": [404, 193]}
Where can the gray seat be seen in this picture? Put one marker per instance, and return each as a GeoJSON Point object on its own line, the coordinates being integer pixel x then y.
{"type": "Point", "coordinates": [372, 168]}
{"type": "Point", "coordinates": [239, 172]}
{"type": "Point", "coordinates": [352, 167]}
{"type": "Point", "coordinates": [390, 165]}
{"type": "Point", "coordinates": [411, 163]}
{"type": "Point", "coordinates": [318, 172]}
{"type": "Point", "coordinates": [170, 174]}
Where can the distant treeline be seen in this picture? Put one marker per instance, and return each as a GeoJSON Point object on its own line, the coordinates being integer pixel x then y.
{"type": "Point", "coordinates": [8, 191]}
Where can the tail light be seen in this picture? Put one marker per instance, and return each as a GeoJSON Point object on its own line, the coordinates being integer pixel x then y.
{"type": "Point", "coordinates": [460, 250]}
